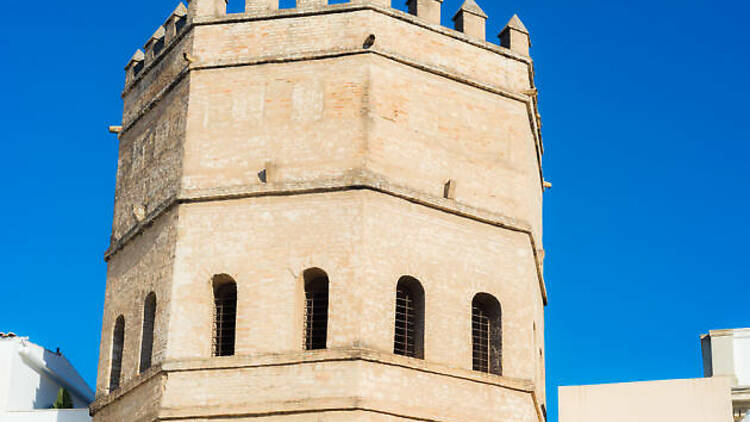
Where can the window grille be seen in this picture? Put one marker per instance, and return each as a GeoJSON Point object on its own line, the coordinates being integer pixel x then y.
{"type": "Point", "coordinates": [316, 309]}
{"type": "Point", "coordinates": [147, 339]}
{"type": "Point", "coordinates": [118, 341]}
{"type": "Point", "coordinates": [480, 331]}
{"type": "Point", "coordinates": [486, 334]}
{"type": "Point", "coordinates": [225, 318]}
{"type": "Point", "coordinates": [409, 322]}
{"type": "Point", "coordinates": [740, 414]}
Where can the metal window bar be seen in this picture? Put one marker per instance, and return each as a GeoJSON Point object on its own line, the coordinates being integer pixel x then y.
{"type": "Point", "coordinates": [480, 335]}
{"type": "Point", "coordinates": [404, 342]}
{"type": "Point", "coordinates": [739, 414]}
{"type": "Point", "coordinates": [316, 319]}
{"type": "Point", "coordinates": [225, 321]}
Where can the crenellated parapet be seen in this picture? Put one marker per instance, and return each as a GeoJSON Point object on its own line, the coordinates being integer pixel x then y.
{"type": "Point", "coordinates": [469, 20]}
{"type": "Point", "coordinates": [161, 38]}
{"type": "Point", "coordinates": [515, 36]}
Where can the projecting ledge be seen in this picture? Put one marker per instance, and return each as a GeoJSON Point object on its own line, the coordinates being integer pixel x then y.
{"type": "Point", "coordinates": [343, 355]}
{"type": "Point", "coordinates": [337, 379]}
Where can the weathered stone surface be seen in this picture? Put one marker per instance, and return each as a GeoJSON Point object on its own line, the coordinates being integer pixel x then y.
{"type": "Point", "coordinates": [259, 145]}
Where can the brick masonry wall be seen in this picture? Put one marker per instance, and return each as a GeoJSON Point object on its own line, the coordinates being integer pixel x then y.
{"type": "Point", "coordinates": [305, 118]}
{"type": "Point", "coordinates": [301, 98]}
{"type": "Point", "coordinates": [149, 167]}
{"type": "Point", "coordinates": [145, 265]}
{"type": "Point", "coordinates": [365, 241]}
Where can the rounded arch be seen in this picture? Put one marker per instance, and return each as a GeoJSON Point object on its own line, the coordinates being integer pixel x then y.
{"type": "Point", "coordinates": [316, 308]}
{"type": "Point", "coordinates": [408, 338]}
{"type": "Point", "coordinates": [315, 278]}
{"type": "Point", "coordinates": [487, 334]}
{"type": "Point", "coordinates": [147, 332]}
{"type": "Point", "coordinates": [118, 344]}
{"type": "Point", "coordinates": [225, 315]}
{"type": "Point", "coordinates": [219, 280]}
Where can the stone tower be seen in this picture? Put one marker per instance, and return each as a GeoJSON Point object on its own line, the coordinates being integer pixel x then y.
{"type": "Point", "coordinates": [326, 213]}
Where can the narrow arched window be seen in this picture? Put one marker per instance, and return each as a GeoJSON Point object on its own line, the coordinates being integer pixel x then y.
{"type": "Point", "coordinates": [118, 342]}
{"type": "Point", "coordinates": [486, 334]}
{"type": "Point", "coordinates": [408, 339]}
{"type": "Point", "coordinates": [225, 315]}
{"type": "Point", "coordinates": [316, 309]}
{"type": "Point", "coordinates": [147, 336]}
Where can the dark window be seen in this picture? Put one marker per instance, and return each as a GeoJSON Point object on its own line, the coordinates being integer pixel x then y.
{"type": "Point", "coordinates": [408, 339]}
{"type": "Point", "coordinates": [158, 46]}
{"type": "Point", "coordinates": [138, 68]}
{"type": "Point", "coordinates": [147, 339]}
{"type": "Point", "coordinates": [486, 334]}
{"type": "Point", "coordinates": [225, 315]}
{"type": "Point", "coordinates": [180, 24]}
{"type": "Point", "coordinates": [316, 309]}
{"type": "Point", "coordinates": [118, 341]}
{"type": "Point", "coordinates": [412, 7]}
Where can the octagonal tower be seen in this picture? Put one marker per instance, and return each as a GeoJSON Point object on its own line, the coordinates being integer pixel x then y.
{"type": "Point", "coordinates": [328, 213]}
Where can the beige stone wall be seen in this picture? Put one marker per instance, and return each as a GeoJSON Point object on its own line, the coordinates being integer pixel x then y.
{"type": "Point", "coordinates": [318, 118]}
{"type": "Point", "coordinates": [137, 403]}
{"type": "Point", "coordinates": [156, 78]}
{"type": "Point", "coordinates": [142, 267]}
{"type": "Point", "coordinates": [343, 380]}
{"type": "Point", "coordinates": [357, 143]}
{"type": "Point", "coordinates": [365, 241]}
{"type": "Point", "coordinates": [691, 400]}
{"type": "Point", "coordinates": [426, 130]}
{"type": "Point", "coordinates": [240, 40]}
{"type": "Point", "coordinates": [150, 162]}
{"type": "Point", "coordinates": [306, 119]}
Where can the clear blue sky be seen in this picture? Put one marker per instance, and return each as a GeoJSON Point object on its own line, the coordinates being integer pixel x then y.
{"type": "Point", "coordinates": [645, 108]}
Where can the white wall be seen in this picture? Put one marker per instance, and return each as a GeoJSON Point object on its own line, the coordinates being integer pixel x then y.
{"type": "Point", "coordinates": [30, 378]}
{"type": "Point", "coordinates": [742, 357]}
{"type": "Point", "coordinates": [727, 354]}
{"type": "Point", "coordinates": [694, 400]}
{"type": "Point", "coordinates": [63, 415]}
{"type": "Point", "coordinates": [5, 372]}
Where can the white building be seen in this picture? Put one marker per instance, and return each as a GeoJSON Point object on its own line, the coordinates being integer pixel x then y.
{"type": "Point", "coordinates": [30, 378]}
{"type": "Point", "coordinates": [722, 396]}
{"type": "Point", "coordinates": [726, 353]}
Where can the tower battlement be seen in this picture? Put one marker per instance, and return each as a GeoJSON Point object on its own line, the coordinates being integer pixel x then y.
{"type": "Point", "coordinates": [469, 25]}
{"type": "Point", "coordinates": [469, 20]}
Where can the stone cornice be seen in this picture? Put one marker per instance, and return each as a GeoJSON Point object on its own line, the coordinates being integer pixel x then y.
{"type": "Point", "coordinates": [354, 180]}
{"type": "Point", "coordinates": [314, 357]}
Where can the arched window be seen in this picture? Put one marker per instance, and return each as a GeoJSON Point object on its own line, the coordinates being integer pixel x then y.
{"type": "Point", "coordinates": [225, 315]}
{"type": "Point", "coordinates": [408, 339]}
{"type": "Point", "coordinates": [316, 309]}
{"type": "Point", "coordinates": [486, 334]}
{"type": "Point", "coordinates": [147, 336]}
{"type": "Point", "coordinates": [118, 342]}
